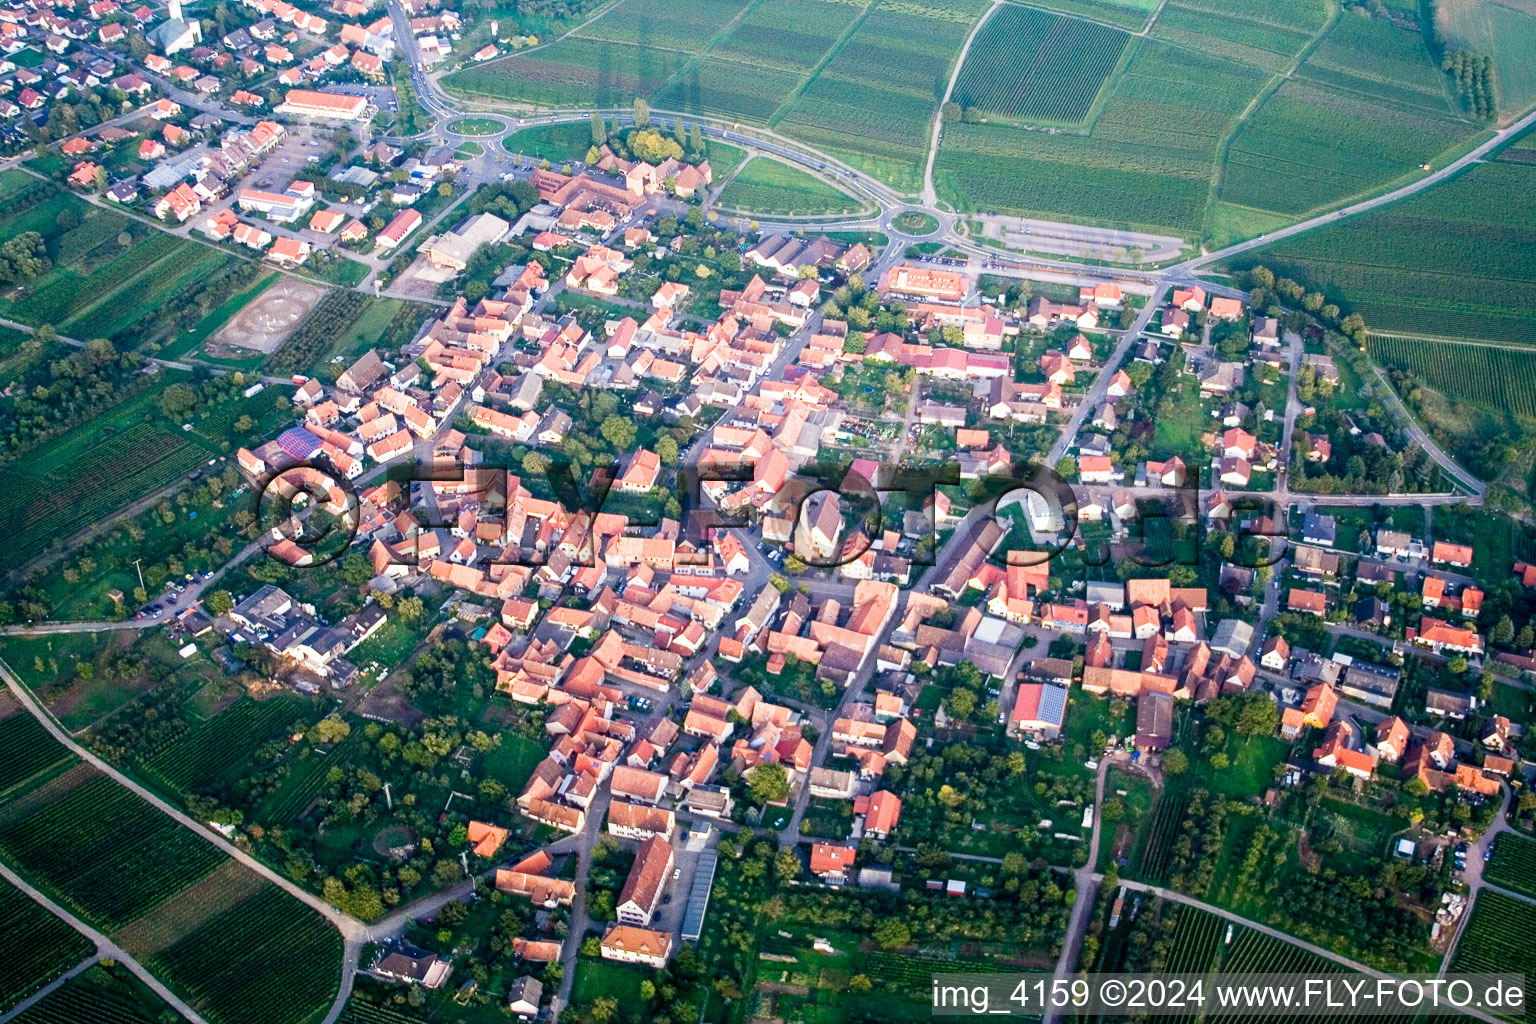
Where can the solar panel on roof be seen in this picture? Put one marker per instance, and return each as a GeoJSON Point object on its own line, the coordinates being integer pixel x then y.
{"type": "Point", "coordinates": [1053, 704]}
{"type": "Point", "coordinates": [298, 443]}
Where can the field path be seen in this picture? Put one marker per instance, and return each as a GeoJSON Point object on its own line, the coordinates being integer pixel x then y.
{"type": "Point", "coordinates": [350, 928]}
{"type": "Point", "coordinates": [930, 196]}
{"type": "Point", "coordinates": [105, 946]}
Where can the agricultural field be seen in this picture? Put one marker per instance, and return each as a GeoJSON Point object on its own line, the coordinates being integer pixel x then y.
{"type": "Point", "coordinates": [212, 750]}
{"type": "Point", "coordinates": [1457, 261]}
{"type": "Point", "coordinates": [1498, 379]}
{"type": "Point", "coordinates": [882, 87]}
{"type": "Point", "coordinates": [35, 946]}
{"type": "Point", "coordinates": [1310, 146]}
{"type": "Point", "coordinates": [1128, 14]}
{"type": "Point", "coordinates": [1265, 45]}
{"type": "Point", "coordinates": [1513, 865]}
{"type": "Point", "coordinates": [92, 471]}
{"type": "Point", "coordinates": [1497, 939]}
{"type": "Point", "coordinates": [790, 35]}
{"type": "Point", "coordinates": [99, 996]}
{"type": "Point", "coordinates": [767, 186]}
{"type": "Point", "coordinates": [843, 71]}
{"type": "Point", "coordinates": [1146, 161]}
{"type": "Point", "coordinates": [1028, 65]}
{"type": "Point", "coordinates": [104, 881]}
{"type": "Point", "coordinates": [1370, 55]}
{"type": "Point", "coordinates": [1505, 32]}
{"type": "Point", "coordinates": [268, 959]}
{"type": "Point", "coordinates": [99, 286]}
{"type": "Point", "coordinates": [724, 88]}
{"type": "Point", "coordinates": [26, 748]}
{"type": "Point", "coordinates": [573, 72]}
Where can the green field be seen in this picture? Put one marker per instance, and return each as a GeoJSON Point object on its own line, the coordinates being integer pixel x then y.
{"type": "Point", "coordinates": [1497, 939]}
{"type": "Point", "coordinates": [35, 946]}
{"type": "Point", "coordinates": [99, 996]}
{"type": "Point", "coordinates": [1146, 161]}
{"type": "Point", "coordinates": [823, 71]}
{"type": "Point", "coordinates": [97, 287]}
{"type": "Point", "coordinates": [1312, 145]}
{"type": "Point", "coordinates": [1028, 65]}
{"type": "Point", "coordinates": [767, 186]}
{"type": "Point", "coordinates": [211, 750]}
{"type": "Point", "coordinates": [1131, 14]}
{"type": "Point", "coordinates": [557, 143]}
{"type": "Point", "coordinates": [1498, 379]}
{"type": "Point", "coordinates": [104, 880]}
{"type": "Point", "coordinates": [1457, 261]}
{"type": "Point", "coordinates": [26, 748]}
{"type": "Point", "coordinates": [477, 126]}
{"type": "Point", "coordinates": [84, 476]}
{"type": "Point", "coordinates": [1513, 865]}
{"type": "Point", "coordinates": [1506, 33]}
{"type": "Point", "coordinates": [269, 959]}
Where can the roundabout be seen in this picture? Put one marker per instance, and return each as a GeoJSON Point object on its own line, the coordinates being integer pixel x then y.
{"type": "Point", "coordinates": [916, 223]}
{"type": "Point", "coordinates": [476, 127]}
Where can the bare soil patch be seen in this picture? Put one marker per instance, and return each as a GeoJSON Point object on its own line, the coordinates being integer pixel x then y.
{"type": "Point", "coordinates": [267, 321]}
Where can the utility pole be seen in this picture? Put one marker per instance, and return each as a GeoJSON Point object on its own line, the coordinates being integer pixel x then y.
{"type": "Point", "coordinates": [137, 565]}
{"type": "Point", "coordinates": [387, 798]}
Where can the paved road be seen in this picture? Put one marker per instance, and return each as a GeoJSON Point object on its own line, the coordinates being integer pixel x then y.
{"type": "Point", "coordinates": [1096, 394]}
{"type": "Point", "coordinates": [1473, 876]}
{"type": "Point", "coordinates": [1085, 883]}
{"type": "Point", "coordinates": [52, 987]}
{"type": "Point", "coordinates": [104, 946]}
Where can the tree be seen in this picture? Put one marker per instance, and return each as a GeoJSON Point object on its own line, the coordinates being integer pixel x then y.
{"type": "Point", "coordinates": [1175, 762]}
{"type": "Point", "coordinates": [178, 400]}
{"type": "Point", "coordinates": [220, 602]}
{"type": "Point", "coordinates": [786, 864]}
{"type": "Point", "coordinates": [952, 112]}
{"type": "Point", "coordinates": [599, 129]}
{"type": "Point", "coordinates": [1504, 632]}
{"type": "Point", "coordinates": [331, 729]}
{"type": "Point", "coordinates": [1527, 638]}
{"type": "Point", "coordinates": [619, 432]}
{"type": "Point", "coordinates": [642, 113]}
{"type": "Point", "coordinates": [778, 582]}
{"type": "Point", "coordinates": [24, 257]}
{"type": "Point", "coordinates": [768, 783]}
{"type": "Point", "coordinates": [892, 933]}
{"type": "Point", "coordinates": [666, 450]}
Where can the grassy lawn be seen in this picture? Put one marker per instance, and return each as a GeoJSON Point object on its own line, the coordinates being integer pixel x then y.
{"type": "Point", "coordinates": [1179, 432]}
{"type": "Point", "coordinates": [724, 159]}
{"type": "Point", "coordinates": [767, 186]}
{"type": "Point", "coordinates": [917, 223]}
{"type": "Point", "coordinates": [1227, 224]}
{"type": "Point", "coordinates": [556, 143]}
{"type": "Point", "coordinates": [334, 268]}
{"type": "Point", "coordinates": [513, 762]}
{"type": "Point", "coordinates": [363, 334]}
{"type": "Point", "coordinates": [468, 150]}
{"type": "Point", "coordinates": [476, 126]}
{"type": "Point", "coordinates": [598, 978]}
